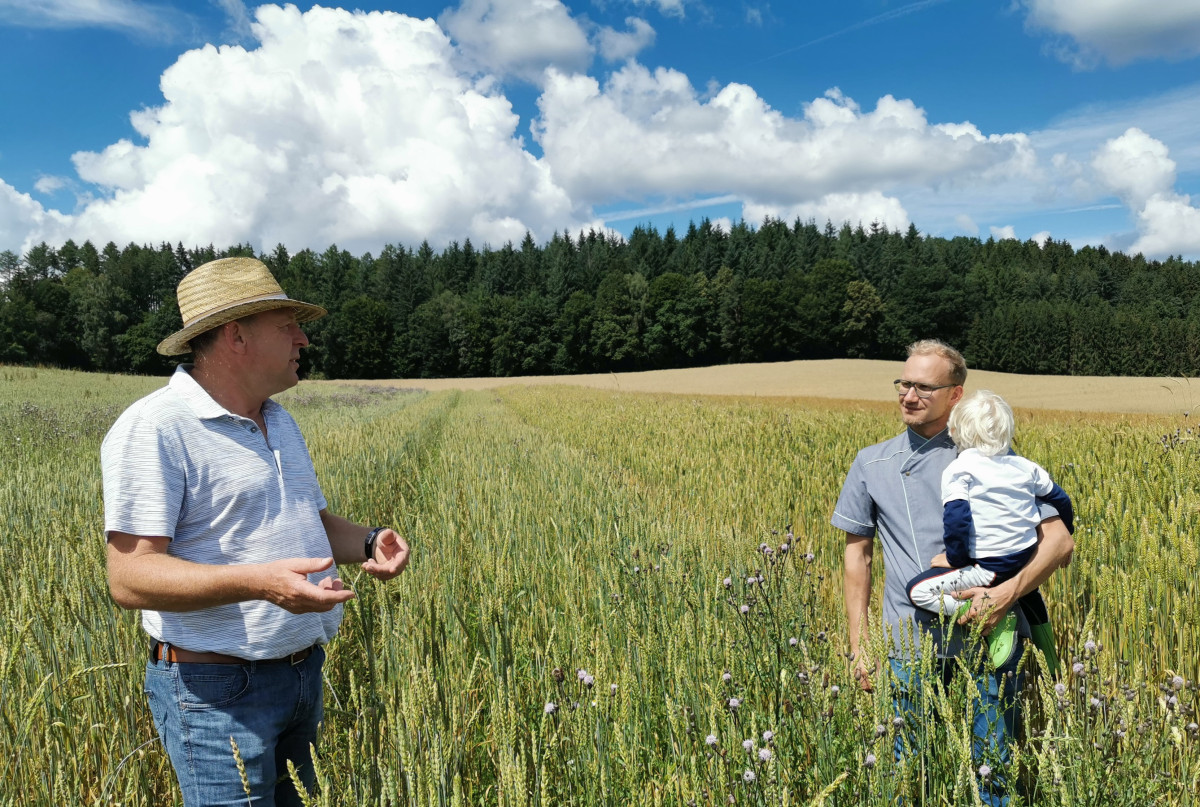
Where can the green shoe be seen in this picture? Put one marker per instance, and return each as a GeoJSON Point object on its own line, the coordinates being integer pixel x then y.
{"type": "Point", "coordinates": [1002, 641]}
{"type": "Point", "coordinates": [1043, 639]}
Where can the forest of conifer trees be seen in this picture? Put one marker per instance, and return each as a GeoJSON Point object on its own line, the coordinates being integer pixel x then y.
{"type": "Point", "coordinates": [597, 303]}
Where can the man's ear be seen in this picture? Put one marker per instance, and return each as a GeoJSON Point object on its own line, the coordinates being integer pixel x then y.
{"type": "Point", "coordinates": [234, 335]}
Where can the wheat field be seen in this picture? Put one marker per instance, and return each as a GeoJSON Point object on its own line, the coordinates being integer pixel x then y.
{"type": "Point", "coordinates": [565, 633]}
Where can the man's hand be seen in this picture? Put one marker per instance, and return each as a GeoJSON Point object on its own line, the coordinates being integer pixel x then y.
{"type": "Point", "coordinates": [391, 556]}
{"type": "Point", "coordinates": [285, 583]}
{"type": "Point", "coordinates": [940, 562]}
{"type": "Point", "coordinates": [988, 606]}
{"type": "Point", "coordinates": [863, 674]}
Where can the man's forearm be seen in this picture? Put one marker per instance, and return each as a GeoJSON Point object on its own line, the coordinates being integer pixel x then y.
{"type": "Point", "coordinates": [140, 576]}
{"type": "Point", "coordinates": [857, 587]}
{"type": "Point", "coordinates": [1053, 552]}
{"type": "Point", "coordinates": [345, 538]}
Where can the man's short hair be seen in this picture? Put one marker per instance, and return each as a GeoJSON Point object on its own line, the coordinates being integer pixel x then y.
{"type": "Point", "coordinates": [936, 347]}
{"type": "Point", "coordinates": [202, 342]}
{"type": "Point", "coordinates": [985, 422]}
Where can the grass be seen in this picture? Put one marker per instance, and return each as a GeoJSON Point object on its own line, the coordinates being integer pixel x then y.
{"type": "Point", "coordinates": [560, 530]}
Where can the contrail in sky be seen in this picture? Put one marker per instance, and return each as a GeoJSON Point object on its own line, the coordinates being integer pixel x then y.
{"type": "Point", "coordinates": [691, 204]}
{"type": "Point", "coordinates": [886, 16]}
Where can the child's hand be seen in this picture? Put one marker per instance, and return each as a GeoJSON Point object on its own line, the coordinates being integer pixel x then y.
{"type": "Point", "coordinates": [939, 562]}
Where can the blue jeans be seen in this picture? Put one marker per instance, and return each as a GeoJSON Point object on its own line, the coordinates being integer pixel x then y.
{"type": "Point", "coordinates": [995, 716]}
{"type": "Point", "coordinates": [272, 710]}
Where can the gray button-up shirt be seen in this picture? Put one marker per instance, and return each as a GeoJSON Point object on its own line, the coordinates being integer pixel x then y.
{"type": "Point", "coordinates": [894, 491]}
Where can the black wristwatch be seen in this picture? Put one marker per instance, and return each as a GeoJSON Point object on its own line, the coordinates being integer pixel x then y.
{"type": "Point", "coordinates": [369, 542]}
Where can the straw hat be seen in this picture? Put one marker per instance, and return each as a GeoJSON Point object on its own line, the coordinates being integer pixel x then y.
{"type": "Point", "coordinates": [225, 290]}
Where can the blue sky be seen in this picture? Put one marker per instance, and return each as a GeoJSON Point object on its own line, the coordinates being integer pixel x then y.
{"type": "Point", "coordinates": [216, 122]}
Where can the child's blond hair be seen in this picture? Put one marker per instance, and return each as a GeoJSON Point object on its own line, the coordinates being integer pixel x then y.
{"type": "Point", "coordinates": [984, 421]}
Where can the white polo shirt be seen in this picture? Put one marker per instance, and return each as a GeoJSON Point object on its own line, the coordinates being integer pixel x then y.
{"type": "Point", "coordinates": [177, 464]}
{"type": "Point", "coordinates": [1002, 491]}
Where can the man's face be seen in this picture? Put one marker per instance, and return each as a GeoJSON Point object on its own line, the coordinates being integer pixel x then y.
{"type": "Point", "coordinates": [273, 344]}
{"type": "Point", "coordinates": [928, 416]}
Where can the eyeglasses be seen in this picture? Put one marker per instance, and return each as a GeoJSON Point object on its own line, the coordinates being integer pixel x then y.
{"type": "Point", "coordinates": [922, 390]}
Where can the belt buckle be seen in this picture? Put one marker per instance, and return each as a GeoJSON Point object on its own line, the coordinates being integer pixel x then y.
{"type": "Point", "coordinates": [299, 656]}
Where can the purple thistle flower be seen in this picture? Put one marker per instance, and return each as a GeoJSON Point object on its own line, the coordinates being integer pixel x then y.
{"type": "Point", "coordinates": [748, 745]}
{"type": "Point", "coordinates": [834, 690]}
{"type": "Point", "coordinates": [581, 673]}
{"type": "Point", "coordinates": [726, 677]}
{"type": "Point", "coordinates": [751, 580]}
{"type": "Point", "coordinates": [613, 689]}
{"type": "Point", "coordinates": [768, 735]}
{"type": "Point", "coordinates": [985, 771]}
{"type": "Point", "coordinates": [589, 681]}
{"type": "Point", "coordinates": [551, 707]}
{"type": "Point", "coordinates": [783, 548]}
{"type": "Point", "coordinates": [869, 762]}
{"type": "Point", "coordinates": [710, 740]}
{"type": "Point", "coordinates": [1077, 668]}
{"type": "Point", "coordinates": [728, 581]}
{"type": "Point", "coordinates": [792, 642]}
{"type": "Point", "coordinates": [1177, 683]}
{"type": "Point", "coordinates": [748, 776]}
{"type": "Point", "coordinates": [809, 557]}
{"type": "Point", "coordinates": [1089, 647]}
{"type": "Point", "coordinates": [745, 609]}
{"type": "Point", "coordinates": [734, 703]}
{"type": "Point", "coordinates": [1060, 689]}
{"type": "Point", "coordinates": [880, 730]}
{"type": "Point", "coordinates": [898, 723]}
{"type": "Point", "coordinates": [764, 755]}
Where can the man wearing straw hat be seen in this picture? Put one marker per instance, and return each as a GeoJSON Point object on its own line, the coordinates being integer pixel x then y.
{"type": "Point", "coordinates": [218, 531]}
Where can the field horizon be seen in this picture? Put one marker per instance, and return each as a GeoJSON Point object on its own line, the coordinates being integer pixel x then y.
{"type": "Point", "coordinates": [854, 380]}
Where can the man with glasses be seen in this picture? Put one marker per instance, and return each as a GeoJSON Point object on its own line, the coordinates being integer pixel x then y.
{"type": "Point", "coordinates": [893, 491]}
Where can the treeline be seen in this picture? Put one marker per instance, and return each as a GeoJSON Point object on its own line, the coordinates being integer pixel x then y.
{"type": "Point", "coordinates": [596, 303]}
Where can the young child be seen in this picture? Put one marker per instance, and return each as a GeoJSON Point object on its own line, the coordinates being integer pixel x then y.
{"type": "Point", "coordinates": [990, 496]}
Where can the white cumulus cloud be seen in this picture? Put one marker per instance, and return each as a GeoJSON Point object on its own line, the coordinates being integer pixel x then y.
{"type": "Point", "coordinates": [341, 127]}
{"type": "Point", "coordinates": [49, 184]}
{"type": "Point", "coordinates": [647, 132]}
{"type": "Point", "coordinates": [617, 46]}
{"type": "Point", "coordinates": [519, 38]}
{"type": "Point", "coordinates": [21, 214]}
{"type": "Point", "coordinates": [1135, 166]}
{"type": "Point", "coordinates": [1168, 224]}
{"type": "Point", "coordinates": [1005, 233]}
{"type": "Point", "coordinates": [1138, 168]}
{"type": "Point", "coordinates": [1119, 31]}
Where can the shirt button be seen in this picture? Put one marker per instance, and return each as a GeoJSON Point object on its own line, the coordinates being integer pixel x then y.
{"type": "Point", "coordinates": [253, 428]}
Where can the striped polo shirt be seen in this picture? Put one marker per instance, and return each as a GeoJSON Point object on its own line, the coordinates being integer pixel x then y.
{"type": "Point", "coordinates": [177, 464]}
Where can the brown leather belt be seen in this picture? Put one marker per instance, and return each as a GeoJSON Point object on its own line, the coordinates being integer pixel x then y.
{"type": "Point", "coordinates": [160, 651]}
